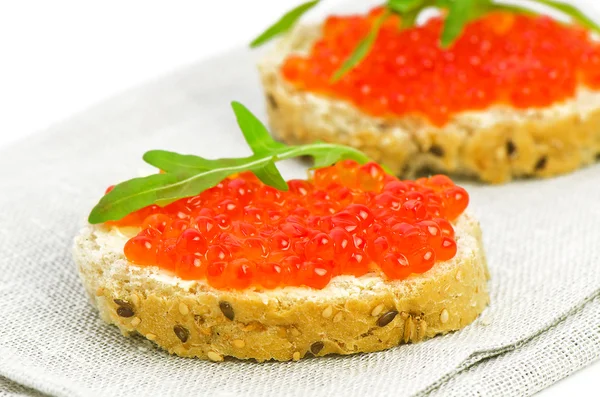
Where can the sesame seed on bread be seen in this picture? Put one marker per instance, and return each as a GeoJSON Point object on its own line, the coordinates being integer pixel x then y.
{"type": "Point", "coordinates": [350, 315]}
{"type": "Point", "coordinates": [495, 145]}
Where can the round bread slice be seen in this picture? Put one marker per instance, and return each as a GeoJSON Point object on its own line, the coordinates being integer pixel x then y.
{"type": "Point", "coordinates": [350, 315]}
{"type": "Point", "coordinates": [494, 145]}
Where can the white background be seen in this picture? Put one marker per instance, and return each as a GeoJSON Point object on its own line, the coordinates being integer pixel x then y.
{"type": "Point", "coordinates": [60, 57]}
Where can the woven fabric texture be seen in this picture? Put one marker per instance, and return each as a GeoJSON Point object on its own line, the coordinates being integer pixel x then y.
{"type": "Point", "coordinates": [541, 239]}
{"type": "Point", "coordinates": [547, 358]}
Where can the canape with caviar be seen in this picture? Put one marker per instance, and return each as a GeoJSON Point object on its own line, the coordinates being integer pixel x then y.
{"type": "Point", "coordinates": [484, 89]}
{"type": "Point", "coordinates": [223, 257]}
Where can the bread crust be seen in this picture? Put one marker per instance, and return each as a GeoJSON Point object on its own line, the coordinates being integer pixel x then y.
{"type": "Point", "coordinates": [350, 315]}
{"type": "Point", "coordinates": [494, 145]}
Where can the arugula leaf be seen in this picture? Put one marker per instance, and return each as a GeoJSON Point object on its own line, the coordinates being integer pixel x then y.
{"type": "Point", "coordinates": [185, 163]}
{"type": "Point", "coordinates": [460, 12]}
{"type": "Point", "coordinates": [261, 142]}
{"type": "Point", "coordinates": [458, 16]}
{"type": "Point", "coordinates": [188, 175]}
{"type": "Point", "coordinates": [193, 184]}
{"type": "Point", "coordinates": [256, 134]}
{"type": "Point", "coordinates": [409, 19]}
{"type": "Point", "coordinates": [324, 159]}
{"type": "Point", "coordinates": [171, 161]}
{"type": "Point", "coordinates": [283, 24]}
{"type": "Point", "coordinates": [404, 6]}
{"type": "Point", "coordinates": [129, 196]}
{"type": "Point", "coordinates": [362, 49]}
{"type": "Point", "coordinates": [270, 175]}
{"type": "Point", "coordinates": [573, 12]}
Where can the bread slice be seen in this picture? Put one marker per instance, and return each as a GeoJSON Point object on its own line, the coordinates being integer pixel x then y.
{"type": "Point", "coordinates": [350, 315]}
{"type": "Point", "coordinates": [494, 145]}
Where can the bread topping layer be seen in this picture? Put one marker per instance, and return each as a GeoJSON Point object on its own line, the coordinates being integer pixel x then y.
{"type": "Point", "coordinates": [346, 219]}
{"type": "Point", "coordinates": [502, 58]}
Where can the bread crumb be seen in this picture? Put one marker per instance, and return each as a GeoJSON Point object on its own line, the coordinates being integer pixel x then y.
{"type": "Point", "coordinates": [213, 356]}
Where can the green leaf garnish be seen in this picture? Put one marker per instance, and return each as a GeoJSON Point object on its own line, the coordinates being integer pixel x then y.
{"type": "Point", "coordinates": [170, 161]}
{"type": "Point", "coordinates": [362, 49]}
{"type": "Point", "coordinates": [409, 19]}
{"type": "Point", "coordinates": [283, 24]}
{"type": "Point", "coordinates": [188, 175]}
{"type": "Point", "coordinates": [256, 134]}
{"type": "Point", "coordinates": [184, 163]}
{"type": "Point", "coordinates": [572, 12]}
{"type": "Point", "coordinates": [460, 12]}
{"type": "Point", "coordinates": [270, 175]}
{"type": "Point", "coordinates": [404, 6]}
{"type": "Point", "coordinates": [458, 16]}
{"type": "Point", "coordinates": [124, 197]}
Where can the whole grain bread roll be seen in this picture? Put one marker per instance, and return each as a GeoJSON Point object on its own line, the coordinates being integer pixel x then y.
{"type": "Point", "coordinates": [350, 315]}
{"type": "Point", "coordinates": [494, 145]}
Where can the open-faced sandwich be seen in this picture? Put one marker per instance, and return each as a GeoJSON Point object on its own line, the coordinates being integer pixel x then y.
{"type": "Point", "coordinates": [217, 258]}
{"type": "Point", "coordinates": [487, 90]}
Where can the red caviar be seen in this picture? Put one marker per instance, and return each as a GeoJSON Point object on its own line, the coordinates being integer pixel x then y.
{"type": "Point", "coordinates": [347, 219]}
{"type": "Point", "coordinates": [502, 58]}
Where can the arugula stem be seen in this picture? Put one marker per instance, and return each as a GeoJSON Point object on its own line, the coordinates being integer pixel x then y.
{"type": "Point", "coordinates": [188, 175]}
{"type": "Point", "coordinates": [254, 162]}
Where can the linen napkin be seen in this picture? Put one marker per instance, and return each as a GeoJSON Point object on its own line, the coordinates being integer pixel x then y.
{"type": "Point", "coordinates": [542, 239]}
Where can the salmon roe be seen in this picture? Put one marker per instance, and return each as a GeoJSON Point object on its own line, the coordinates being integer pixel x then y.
{"type": "Point", "coordinates": [501, 58]}
{"type": "Point", "coordinates": [347, 219]}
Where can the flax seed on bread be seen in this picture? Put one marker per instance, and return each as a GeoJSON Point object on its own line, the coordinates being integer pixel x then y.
{"type": "Point", "coordinates": [494, 145]}
{"type": "Point", "coordinates": [350, 315]}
